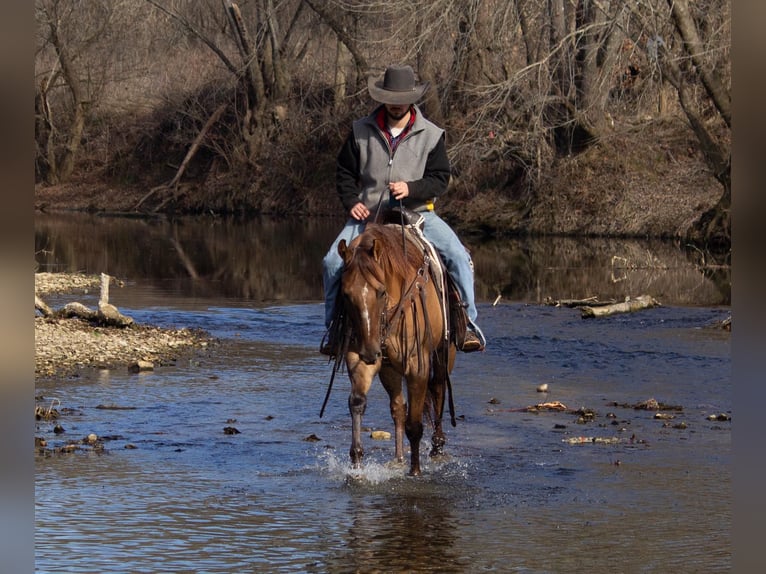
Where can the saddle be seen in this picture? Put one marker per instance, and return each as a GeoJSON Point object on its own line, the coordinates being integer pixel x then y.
{"type": "Point", "coordinates": [452, 306]}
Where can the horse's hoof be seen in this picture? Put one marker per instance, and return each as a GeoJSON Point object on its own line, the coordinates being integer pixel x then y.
{"type": "Point", "coordinates": [354, 475]}
{"type": "Point", "coordinates": [395, 464]}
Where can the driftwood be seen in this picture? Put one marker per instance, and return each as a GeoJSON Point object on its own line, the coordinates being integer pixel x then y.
{"type": "Point", "coordinates": [628, 306]}
{"type": "Point", "coordinates": [588, 301]}
{"type": "Point", "coordinates": [41, 306]}
{"type": "Point", "coordinates": [106, 314]}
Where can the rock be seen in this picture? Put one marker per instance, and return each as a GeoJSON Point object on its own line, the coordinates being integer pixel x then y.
{"type": "Point", "coordinates": [138, 366]}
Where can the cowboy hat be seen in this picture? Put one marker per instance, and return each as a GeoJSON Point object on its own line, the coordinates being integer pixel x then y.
{"type": "Point", "coordinates": [396, 86]}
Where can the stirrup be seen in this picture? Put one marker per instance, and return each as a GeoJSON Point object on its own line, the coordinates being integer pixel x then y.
{"type": "Point", "coordinates": [333, 335]}
{"type": "Point", "coordinates": [474, 339]}
{"type": "Point", "coordinates": [328, 346]}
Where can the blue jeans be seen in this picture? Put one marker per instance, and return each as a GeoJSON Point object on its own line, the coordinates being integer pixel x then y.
{"type": "Point", "coordinates": [452, 251]}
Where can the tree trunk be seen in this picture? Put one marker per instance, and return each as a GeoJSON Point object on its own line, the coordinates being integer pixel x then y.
{"type": "Point", "coordinates": [694, 47]}
{"type": "Point", "coordinates": [340, 80]}
{"type": "Point", "coordinates": [715, 153]}
{"type": "Point", "coordinates": [561, 56]}
{"type": "Point", "coordinates": [63, 167]}
{"type": "Point", "coordinates": [278, 71]}
{"type": "Point", "coordinates": [530, 43]}
{"type": "Point", "coordinates": [253, 75]}
{"type": "Point", "coordinates": [44, 132]}
{"type": "Point", "coordinates": [600, 41]}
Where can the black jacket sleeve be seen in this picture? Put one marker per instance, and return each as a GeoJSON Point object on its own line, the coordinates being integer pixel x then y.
{"type": "Point", "coordinates": [346, 173]}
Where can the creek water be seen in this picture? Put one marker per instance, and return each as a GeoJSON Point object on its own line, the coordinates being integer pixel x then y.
{"type": "Point", "coordinates": [518, 491]}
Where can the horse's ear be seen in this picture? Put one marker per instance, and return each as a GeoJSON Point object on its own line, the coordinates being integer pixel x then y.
{"type": "Point", "coordinates": [342, 249]}
{"type": "Point", "coordinates": [377, 247]}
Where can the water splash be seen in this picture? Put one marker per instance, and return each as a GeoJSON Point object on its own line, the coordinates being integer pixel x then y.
{"type": "Point", "coordinates": [374, 472]}
{"type": "Point", "coordinates": [371, 472]}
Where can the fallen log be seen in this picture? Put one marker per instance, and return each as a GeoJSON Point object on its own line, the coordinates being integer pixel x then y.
{"type": "Point", "coordinates": [627, 306]}
{"type": "Point", "coordinates": [588, 301]}
{"type": "Point", "coordinates": [76, 310]}
{"type": "Point", "coordinates": [106, 314]}
{"type": "Point", "coordinates": [41, 306]}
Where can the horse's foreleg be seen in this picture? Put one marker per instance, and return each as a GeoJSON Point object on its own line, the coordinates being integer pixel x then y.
{"type": "Point", "coordinates": [392, 382]}
{"type": "Point", "coordinates": [416, 396]}
{"type": "Point", "coordinates": [356, 406]}
{"type": "Point", "coordinates": [361, 375]}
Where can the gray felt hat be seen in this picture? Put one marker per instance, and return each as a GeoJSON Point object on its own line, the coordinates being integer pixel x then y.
{"type": "Point", "coordinates": [396, 86]}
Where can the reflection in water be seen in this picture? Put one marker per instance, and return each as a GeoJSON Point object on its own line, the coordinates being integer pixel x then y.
{"type": "Point", "coordinates": [275, 260]}
{"type": "Point", "coordinates": [408, 531]}
{"type": "Point", "coordinates": [260, 260]}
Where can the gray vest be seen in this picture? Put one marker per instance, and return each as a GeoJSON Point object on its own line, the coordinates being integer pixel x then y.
{"type": "Point", "coordinates": [378, 167]}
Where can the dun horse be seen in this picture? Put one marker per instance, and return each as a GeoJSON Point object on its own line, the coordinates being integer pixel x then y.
{"type": "Point", "coordinates": [398, 331]}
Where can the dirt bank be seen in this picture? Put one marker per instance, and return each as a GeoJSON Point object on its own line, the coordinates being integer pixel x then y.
{"type": "Point", "coordinates": [643, 179]}
{"type": "Point", "coordinates": [62, 346]}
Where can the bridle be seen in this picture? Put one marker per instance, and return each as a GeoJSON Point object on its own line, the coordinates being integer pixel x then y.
{"type": "Point", "coordinates": [390, 316]}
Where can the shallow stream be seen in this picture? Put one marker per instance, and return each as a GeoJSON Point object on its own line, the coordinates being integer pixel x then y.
{"type": "Point", "coordinates": [518, 492]}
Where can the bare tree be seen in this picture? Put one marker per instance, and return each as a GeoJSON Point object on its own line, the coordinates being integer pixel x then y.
{"type": "Point", "coordinates": [698, 58]}
{"type": "Point", "coordinates": [518, 85]}
{"type": "Point", "coordinates": [68, 31]}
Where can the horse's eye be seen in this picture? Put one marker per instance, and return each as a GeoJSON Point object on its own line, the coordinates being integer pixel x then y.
{"type": "Point", "coordinates": [381, 293]}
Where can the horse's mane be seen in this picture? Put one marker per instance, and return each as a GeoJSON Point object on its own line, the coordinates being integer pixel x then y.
{"type": "Point", "coordinates": [395, 260]}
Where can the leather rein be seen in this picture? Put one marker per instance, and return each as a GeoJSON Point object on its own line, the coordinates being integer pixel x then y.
{"type": "Point", "coordinates": [390, 316]}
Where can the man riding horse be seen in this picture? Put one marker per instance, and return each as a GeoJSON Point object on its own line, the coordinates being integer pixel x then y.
{"type": "Point", "coordinates": [395, 156]}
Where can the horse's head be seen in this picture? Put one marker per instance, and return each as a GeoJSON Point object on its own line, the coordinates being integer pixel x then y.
{"type": "Point", "coordinates": [363, 288]}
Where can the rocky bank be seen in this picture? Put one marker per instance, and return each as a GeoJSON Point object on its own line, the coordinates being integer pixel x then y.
{"type": "Point", "coordinates": [64, 345]}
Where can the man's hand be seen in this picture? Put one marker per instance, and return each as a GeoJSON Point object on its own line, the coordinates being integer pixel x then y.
{"type": "Point", "coordinates": [399, 189]}
{"type": "Point", "coordinates": [360, 212]}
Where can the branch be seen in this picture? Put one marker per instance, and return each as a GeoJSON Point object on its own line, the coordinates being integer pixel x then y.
{"type": "Point", "coordinates": [190, 27]}
{"type": "Point", "coordinates": [189, 155]}
{"type": "Point", "coordinates": [339, 29]}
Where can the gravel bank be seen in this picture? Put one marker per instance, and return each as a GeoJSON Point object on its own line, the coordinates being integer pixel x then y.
{"type": "Point", "coordinates": [62, 346]}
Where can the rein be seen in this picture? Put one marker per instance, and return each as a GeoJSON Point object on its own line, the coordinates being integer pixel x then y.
{"type": "Point", "coordinates": [390, 316]}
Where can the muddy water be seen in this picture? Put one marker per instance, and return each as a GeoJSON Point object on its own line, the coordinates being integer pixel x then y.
{"type": "Point", "coordinates": [172, 492]}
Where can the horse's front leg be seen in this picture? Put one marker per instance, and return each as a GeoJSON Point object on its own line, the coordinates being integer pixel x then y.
{"type": "Point", "coordinates": [392, 382]}
{"type": "Point", "coordinates": [361, 375]}
{"type": "Point", "coordinates": [417, 387]}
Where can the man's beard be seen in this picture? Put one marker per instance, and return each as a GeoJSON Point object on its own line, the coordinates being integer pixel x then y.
{"type": "Point", "coordinates": [397, 117]}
